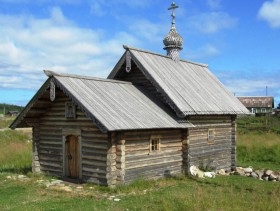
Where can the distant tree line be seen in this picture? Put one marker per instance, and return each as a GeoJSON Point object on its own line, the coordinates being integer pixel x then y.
{"type": "Point", "coordinates": [8, 107]}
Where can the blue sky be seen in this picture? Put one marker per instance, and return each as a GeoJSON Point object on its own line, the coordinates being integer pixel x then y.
{"type": "Point", "coordinates": [240, 40]}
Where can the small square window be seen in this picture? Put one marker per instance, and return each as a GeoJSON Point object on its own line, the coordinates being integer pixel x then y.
{"type": "Point", "coordinates": [70, 110]}
{"type": "Point", "coordinates": [155, 143]}
{"type": "Point", "coordinates": [211, 136]}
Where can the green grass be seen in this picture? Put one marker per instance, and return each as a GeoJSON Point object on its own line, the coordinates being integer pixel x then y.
{"type": "Point", "coordinates": [182, 193]}
{"type": "Point", "coordinates": [6, 122]}
{"type": "Point", "coordinates": [15, 151]}
{"type": "Point", "coordinates": [259, 150]}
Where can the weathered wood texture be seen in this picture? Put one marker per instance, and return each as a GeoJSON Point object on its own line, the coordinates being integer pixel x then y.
{"type": "Point", "coordinates": [35, 145]}
{"type": "Point", "coordinates": [135, 76]}
{"type": "Point", "coordinates": [141, 162]}
{"type": "Point", "coordinates": [233, 143]}
{"type": "Point", "coordinates": [94, 142]}
{"type": "Point", "coordinates": [213, 155]}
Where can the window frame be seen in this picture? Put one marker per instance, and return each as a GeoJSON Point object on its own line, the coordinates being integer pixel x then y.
{"type": "Point", "coordinates": [211, 137]}
{"type": "Point", "coordinates": [67, 110]}
{"type": "Point", "coordinates": [155, 141]}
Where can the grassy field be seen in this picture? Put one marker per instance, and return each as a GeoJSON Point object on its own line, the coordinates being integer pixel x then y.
{"type": "Point", "coordinates": [254, 148]}
{"type": "Point", "coordinates": [5, 122]}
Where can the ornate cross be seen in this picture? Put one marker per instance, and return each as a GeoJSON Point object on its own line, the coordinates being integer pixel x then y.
{"type": "Point", "coordinates": [173, 7]}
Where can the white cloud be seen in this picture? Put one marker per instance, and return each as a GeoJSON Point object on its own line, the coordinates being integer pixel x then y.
{"type": "Point", "coordinates": [206, 51]}
{"type": "Point", "coordinates": [270, 12]}
{"type": "Point", "coordinates": [28, 45]}
{"type": "Point", "coordinates": [212, 22]}
{"type": "Point", "coordinates": [148, 30]}
{"type": "Point", "coordinates": [244, 86]}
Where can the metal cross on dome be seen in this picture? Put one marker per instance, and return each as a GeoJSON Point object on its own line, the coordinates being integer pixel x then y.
{"type": "Point", "coordinates": [173, 7]}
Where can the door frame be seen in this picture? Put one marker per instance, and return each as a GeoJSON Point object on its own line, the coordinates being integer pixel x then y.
{"type": "Point", "coordinates": [65, 133]}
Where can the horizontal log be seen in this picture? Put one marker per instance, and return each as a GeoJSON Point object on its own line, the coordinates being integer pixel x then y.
{"type": "Point", "coordinates": [94, 157]}
{"type": "Point", "coordinates": [49, 147]}
{"type": "Point", "coordinates": [99, 146]}
{"type": "Point", "coordinates": [50, 152]}
{"type": "Point", "coordinates": [131, 134]}
{"type": "Point", "coordinates": [66, 123]}
{"type": "Point", "coordinates": [94, 151]}
{"type": "Point", "coordinates": [46, 164]}
{"type": "Point", "coordinates": [153, 162]}
{"type": "Point", "coordinates": [95, 135]}
{"type": "Point", "coordinates": [95, 171]}
{"type": "Point", "coordinates": [153, 170]}
{"type": "Point", "coordinates": [51, 142]}
{"type": "Point", "coordinates": [51, 158]}
{"type": "Point", "coordinates": [52, 171]}
{"type": "Point", "coordinates": [152, 156]}
{"type": "Point", "coordinates": [94, 163]}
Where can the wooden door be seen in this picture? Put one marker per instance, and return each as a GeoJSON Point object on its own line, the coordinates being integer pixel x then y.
{"type": "Point", "coordinates": [72, 157]}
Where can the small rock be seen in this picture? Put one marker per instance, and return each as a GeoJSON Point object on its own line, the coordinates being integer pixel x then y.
{"type": "Point", "coordinates": [272, 176]}
{"type": "Point", "coordinates": [248, 170]}
{"type": "Point", "coordinates": [194, 170]}
{"type": "Point", "coordinates": [209, 174]}
{"type": "Point", "coordinates": [248, 174]}
{"type": "Point", "coordinates": [200, 174]}
{"type": "Point", "coordinates": [222, 172]}
{"type": "Point", "coordinates": [265, 178]}
{"type": "Point", "coordinates": [260, 173]}
{"type": "Point", "coordinates": [8, 177]}
{"type": "Point", "coordinates": [268, 172]}
{"type": "Point", "coordinates": [240, 171]}
{"type": "Point", "coordinates": [21, 177]}
{"type": "Point", "coordinates": [79, 187]}
{"type": "Point", "coordinates": [116, 199]}
{"type": "Point", "coordinates": [254, 175]}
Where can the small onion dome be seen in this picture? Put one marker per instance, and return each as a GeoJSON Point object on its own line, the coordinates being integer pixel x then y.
{"type": "Point", "coordinates": [173, 39]}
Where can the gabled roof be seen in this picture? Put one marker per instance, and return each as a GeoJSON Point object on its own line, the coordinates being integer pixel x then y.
{"type": "Point", "coordinates": [188, 87]}
{"type": "Point", "coordinates": [257, 101]}
{"type": "Point", "coordinates": [112, 105]}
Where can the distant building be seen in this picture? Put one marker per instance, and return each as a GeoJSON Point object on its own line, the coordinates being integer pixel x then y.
{"type": "Point", "coordinates": [12, 113]}
{"type": "Point", "coordinates": [260, 105]}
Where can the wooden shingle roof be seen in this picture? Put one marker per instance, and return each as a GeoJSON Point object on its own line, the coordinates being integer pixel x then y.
{"type": "Point", "coordinates": [115, 105]}
{"type": "Point", "coordinates": [188, 87]}
{"type": "Point", "coordinates": [257, 102]}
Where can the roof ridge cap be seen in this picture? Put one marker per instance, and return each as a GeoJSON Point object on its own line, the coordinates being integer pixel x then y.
{"type": "Point", "coordinates": [50, 73]}
{"type": "Point", "coordinates": [126, 47]}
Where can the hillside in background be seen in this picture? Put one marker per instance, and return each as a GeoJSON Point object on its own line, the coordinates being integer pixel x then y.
{"type": "Point", "coordinates": [8, 107]}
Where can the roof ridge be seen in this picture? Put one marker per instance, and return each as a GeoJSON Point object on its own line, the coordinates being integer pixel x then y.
{"type": "Point", "coordinates": [126, 47]}
{"type": "Point", "coordinates": [50, 73]}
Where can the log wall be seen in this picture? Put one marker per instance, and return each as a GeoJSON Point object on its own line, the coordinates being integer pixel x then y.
{"type": "Point", "coordinates": [94, 143]}
{"type": "Point", "coordinates": [211, 155]}
{"type": "Point", "coordinates": [141, 162]}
